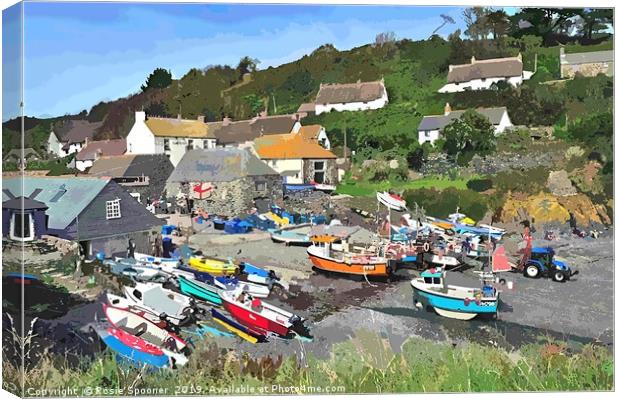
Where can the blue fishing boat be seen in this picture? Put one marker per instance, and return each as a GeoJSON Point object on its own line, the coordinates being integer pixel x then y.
{"type": "Point", "coordinates": [451, 301]}
{"type": "Point", "coordinates": [200, 290]}
{"type": "Point", "coordinates": [149, 355]}
{"type": "Point", "coordinates": [297, 235]}
{"type": "Point", "coordinates": [249, 268]}
{"type": "Point", "coordinates": [298, 187]}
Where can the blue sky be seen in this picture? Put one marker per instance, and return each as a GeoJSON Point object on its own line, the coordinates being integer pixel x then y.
{"type": "Point", "coordinates": [77, 54]}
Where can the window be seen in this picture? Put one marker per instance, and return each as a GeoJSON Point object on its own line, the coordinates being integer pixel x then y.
{"type": "Point", "coordinates": [427, 134]}
{"type": "Point", "coordinates": [205, 144]}
{"type": "Point", "coordinates": [166, 145]}
{"type": "Point", "coordinates": [113, 209]}
{"type": "Point", "coordinates": [21, 225]}
{"type": "Point", "coordinates": [428, 280]}
{"type": "Point", "coordinates": [436, 280]}
{"type": "Point", "coordinates": [319, 165]}
{"type": "Point", "coordinates": [190, 144]}
{"type": "Point", "coordinates": [261, 186]}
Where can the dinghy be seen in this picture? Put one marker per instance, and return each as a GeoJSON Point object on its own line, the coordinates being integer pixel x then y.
{"type": "Point", "coordinates": [242, 331]}
{"type": "Point", "coordinates": [392, 201]}
{"type": "Point", "coordinates": [133, 349]}
{"type": "Point", "coordinates": [170, 344]}
{"type": "Point", "coordinates": [124, 303]}
{"type": "Point", "coordinates": [452, 301]}
{"type": "Point", "coordinates": [200, 290]}
{"type": "Point", "coordinates": [297, 235]}
{"type": "Point", "coordinates": [155, 259]}
{"type": "Point", "coordinates": [212, 266]}
{"type": "Point", "coordinates": [229, 284]}
{"type": "Point", "coordinates": [154, 298]}
{"type": "Point", "coordinates": [142, 273]}
{"type": "Point", "coordinates": [261, 316]}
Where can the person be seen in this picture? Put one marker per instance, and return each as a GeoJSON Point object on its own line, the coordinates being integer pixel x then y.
{"type": "Point", "coordinates": [131, 249]}
{"type": "Point", "coordinates": [158, 245]}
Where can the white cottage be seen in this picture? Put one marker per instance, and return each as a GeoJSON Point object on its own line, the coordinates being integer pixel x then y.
{"type": "Point", "coordinates": [71, 136]}
{"type": "Point", "coordinates": [170, 136]}
{"type": "Point", "coordinates": [482, 74]}
{"type": "Point", "coordinates": [431, 126]}
{"type": "Point", "coordinates": [358, 96]}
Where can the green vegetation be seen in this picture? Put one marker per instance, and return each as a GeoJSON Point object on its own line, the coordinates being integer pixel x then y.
{"type": "Point", "coordinates": [365, 188]}
{"type": "Point", "coordinates": [158, 79]}
{"type": "Point", "coordinates": [441, 204]}
{"type": "Point", "coordinates": [365, 364]}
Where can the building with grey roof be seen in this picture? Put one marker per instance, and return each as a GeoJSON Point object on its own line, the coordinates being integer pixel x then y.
{"type": "Point", "coordinates": [230, 133]}
{"type": "Point", "coordinates": [431, 126]}
{"type": "Point", "coordinates": [223, 181]}
{"type": "Point", "coordinates": [586, 64]}
{"type": "Point", "coordinates": [359, 96]}
{"type": "Point", "coordinates": [96, 212]}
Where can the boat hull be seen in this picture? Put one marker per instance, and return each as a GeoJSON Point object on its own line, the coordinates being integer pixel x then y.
{"type": "Point", "coordinates": [200, 290]}
{"type": "Point", "coordinates": [254, 320]}
{"type": "Point", "coordinates": [114, 341]}
{"type": "Point", "coordinates": [456, 308]}
{"type": "Point", "coordinates": [212, 266]}
{"type": "Point", "coordinates": [362, 269]}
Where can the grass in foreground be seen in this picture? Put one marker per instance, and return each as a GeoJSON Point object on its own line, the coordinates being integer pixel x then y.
{"type": "Point", "coordinates": [366, 188]}
{"type": "Point", "coordinates": [365, 364]}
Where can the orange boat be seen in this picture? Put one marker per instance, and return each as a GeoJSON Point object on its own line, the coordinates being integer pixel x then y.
{"type": "Point", "coordinates": [324, 257]}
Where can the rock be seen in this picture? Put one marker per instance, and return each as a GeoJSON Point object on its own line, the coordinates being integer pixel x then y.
{"type": "Point", "coordinates": [393, 164]}
{"type": "Point", "coordinates": [559, 184]}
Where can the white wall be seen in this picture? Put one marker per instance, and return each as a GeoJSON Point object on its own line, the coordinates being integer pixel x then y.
{"type": "Point", "coordinates": [54, 146]}
{"type": "Point", "coordinates": [287, 165]}
{"type": "Point", "coordinates": [83, 165]}
{"type": "Point", "coordinates": [431, 137]}
{"type": "Point", "coordinates": [504, 123]}
{"type": "Point", "coordinates": [357, 106]}
{"type": "Point", "coordinates": [74, 147]}
{"type": "Point", "coordinates": [140, 140]}
{"type": "Point", "coordinates": [479, 84]}
{"type": "Point", "coordinates": [322, 138]}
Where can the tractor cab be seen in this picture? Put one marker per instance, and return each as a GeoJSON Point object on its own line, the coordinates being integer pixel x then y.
{"type": "Point", "coordinates": [542, 262]}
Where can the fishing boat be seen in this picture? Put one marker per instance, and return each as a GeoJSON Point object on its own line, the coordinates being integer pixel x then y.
{"type": "Point", "coordinates": [216, 267]}
{"type": "Point", "coordinates": [456, 302]}
{"type": "Point", "coordinates": [243, 331]}
{"type": "Point", "coordinates": [200, 290]}
{"type": "Point", "coordinates": [261, 316]}
{"type": "Point", "coordinates": [327, 188]}
{"type": "Point", "coordinates": [124, 303]}
{"type": "Point", "coordinates": [170, 344]}
{"type": "Point", "coordinates": [298, 187]}
{"type": "Point", "coordinates": [392, 201]}
{"type": "Point", "coordinates": [255, 274]}
{"type": "Point", "coordinates": [295, 235]}
{"type": "Point", "coordinates": [229, 284]}
{"type": "Point", "coordinates": [349, 260]}
{"type": "Point", "coordinates": [155, 259]}
{"type": "Point", "coordinates": [154, 298]}
{"type": "Point", "coordinates": [133, 349]}
{"type": "Point", "coordinates": [142, 273]}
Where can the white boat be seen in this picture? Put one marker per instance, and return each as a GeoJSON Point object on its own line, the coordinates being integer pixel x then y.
{"type": "Point", "coordinates": [256, 290]}
{"type": "Point", "coordinates": [172, 345]}
{"type": "Point", "coordinates": [324, 187]}
{"type": "Point", "coordinates": [154, 298]}
{"type": "Point", "coordinates": [155, 259]}
{"type": "Point", "coordinates": [142, 273]}
{"type": "Point", "coordinates": [392, 201]}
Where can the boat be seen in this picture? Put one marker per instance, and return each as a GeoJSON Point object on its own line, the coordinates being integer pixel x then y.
{"type": "Point", "coordinates": [155, 259]}
{"type": "Point", "coordinates": [296, 235]}
{"type": "Point", "coordinates": [255, 274]}
{"type": "Point", "coordinates": [261, 316]}
{"type": "Point", "coordinates": [328, 188]}
{"type": "Point", "coordinates": [212, 266]}
{"type": "Point", "coordinates": [142, 273]}
{"type": "Point", "coordinates": [22, 278]}
{"type": "Point", "coordinates": [392, 201]}
{"type": "Point", "coordinates": [452, 301]}
{"type": "Point", "coordinates": [126, 304]}
{"type": "Point", "coordinates": [277, 219]}
{"type": "Point", "coordinates": [256, 290]}
{"type": "Point", "coordinates": [170, 344]}
{"type": "Point", "coordinates": [242, 331]}
{"type": "Point", "coordinates": [349, 260]}
{"type": "Point", "coordinates": [154, 298]}
{"type": "Point", "coordinates": [289, 187]}
{"type": "Point", "coordinates": [133, 349]}
{"type": "Point", "coordinates": [200, 290]}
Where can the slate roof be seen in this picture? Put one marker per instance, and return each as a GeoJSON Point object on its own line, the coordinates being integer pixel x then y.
{"type": "Point", "coordinates": [111, 166]}
{"type": "Point", "coordinates": [66, 198]}
{"type": "Point", "coordinates": [588, 58]}
{"type": "Point", "coordinates": [76, 130]}
{"type": "Point", "coordinates": [248, 130]}
{"type": "Point", "coordinates": [28, 203]}
{"type": "Point", "coordinates": [310, 132]}
{"type": "Point", "coordinates": [350, 92]}
{"type": "Point", "coordinates": [438, 122]}
{"type": "Point", "coordinates": [482, 69]}
{"type": "Point", "coordinates": [95, 149]}
{"type": "Point", "coordinates": [17, 153]}
{"type": "Point", "coordinates": [218, 165]}
{"type": "Point", "coordinates": [306, 107]}
{"type": "Point", "coordinates": [174, 127]}
{"type": "Point", "coordinates": [290, 146]}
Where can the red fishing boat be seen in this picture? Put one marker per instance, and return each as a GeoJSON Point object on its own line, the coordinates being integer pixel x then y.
{"type": "Point", "coordinates": [261, 316]}
{"type": "Point", "coordinates": [134, 342]}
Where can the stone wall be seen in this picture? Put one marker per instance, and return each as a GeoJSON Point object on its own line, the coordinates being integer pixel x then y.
{"type": "Point", "coordinates": [593, 69]}
{"type": "Point", "coordinates": [331, 170]}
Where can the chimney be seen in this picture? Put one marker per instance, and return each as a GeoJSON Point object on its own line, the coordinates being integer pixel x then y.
{"type": "Point", "coordinates": [473, 59]}
{"type": "Point", "coordinates": [85, 141]}
{"type": "Point", "coordinates": [226, 121]}
{"type": "Point", "coordinates": [140, 116]}
{"type": "Point", "coordinates": [178, 116]}
{"type": "Point", "coordinates": [520, 57]}
{"type": "Point", "coordinates": [447, 109]}
{"type": "Point", "coordinates": [201, 118]}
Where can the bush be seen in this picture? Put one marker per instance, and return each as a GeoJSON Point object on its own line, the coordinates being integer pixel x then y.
{"type": "Point", "coordinates": [530, 181]}
{"type": "Point", "coordinates": [442, 203]}
{"type": "Point", "coordinates": [480, 185]}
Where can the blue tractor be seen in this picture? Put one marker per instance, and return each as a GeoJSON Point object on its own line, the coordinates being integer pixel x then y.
{"type": "Point", "coordinates": [541, 262]}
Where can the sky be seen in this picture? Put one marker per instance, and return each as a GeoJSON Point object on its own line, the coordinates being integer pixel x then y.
{"type": "Point", "coordinates": [77, 54]}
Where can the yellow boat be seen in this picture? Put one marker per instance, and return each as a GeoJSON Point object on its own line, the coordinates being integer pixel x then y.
{"type": "Point", "coordinates": [468, 221]}
{"type": "Point", "coordinates": [215, 267]}
{"type": "Point", "coordinates": [277, 219]}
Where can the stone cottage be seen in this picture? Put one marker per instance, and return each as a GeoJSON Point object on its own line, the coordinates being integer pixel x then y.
{"type": "Point", "coordinates": [223, 181]}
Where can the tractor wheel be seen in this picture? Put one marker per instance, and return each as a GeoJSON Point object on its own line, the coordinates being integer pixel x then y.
{"type": "Point", "coordinates": [559, 276]}
{"type": "Point", "coordinates": [531, 271]}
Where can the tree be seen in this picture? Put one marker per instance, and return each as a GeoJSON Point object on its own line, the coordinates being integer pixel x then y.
{"type": "Point", "coordinates": [470, 134]}
{"type": "Point", "coordinates": [476, 22]}
{"type": "Point", "coordinates": [498, 23]}
{"type": "Point", "coordinates": [594, 20]}
{"type": "Point", "coordinates": [384, 38]}
{"type": "Point", "coordinates": [255, 102]}
{"type": "Point", "coordinates": [543, 22]}
{"type": "Point", "coordinates": [247, 65]}
{"type": "Point", "coordinates": [158, 79]}
{"type": "Point", "coordinates": [446, 20]}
